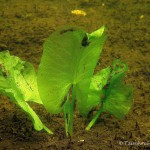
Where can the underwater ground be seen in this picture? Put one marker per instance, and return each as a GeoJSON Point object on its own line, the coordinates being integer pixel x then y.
{"type": "Point", "coordinates": [24, 26]}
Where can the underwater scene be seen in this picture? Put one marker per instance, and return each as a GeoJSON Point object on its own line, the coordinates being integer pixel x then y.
{"type": "Point", "coordinates": [74, 75]}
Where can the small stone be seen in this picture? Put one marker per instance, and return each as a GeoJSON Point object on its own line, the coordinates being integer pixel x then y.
{"type": "Point", "coordinates": [142, 16]}
{"type": "Point", "coordinates": [81, 141]}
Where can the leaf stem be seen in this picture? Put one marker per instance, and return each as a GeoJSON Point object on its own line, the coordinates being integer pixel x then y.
{"type": "Point", "coordinates": [66, 113]}
{"type": "Point", "coordinates": [95, 118]}
{"type": "Point", "coordinates": [69, 112]}
{"type": "Point", "coordinates": [38, 125]}
{"type": "Point", "coordinates": [72, 106]}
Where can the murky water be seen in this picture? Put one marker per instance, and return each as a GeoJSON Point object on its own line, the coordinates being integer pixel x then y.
{"type": "Point", "coordinates": [24, 26]}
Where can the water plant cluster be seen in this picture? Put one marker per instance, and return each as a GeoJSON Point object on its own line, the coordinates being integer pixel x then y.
{"type": "Point", "coordinates": [65, 78]}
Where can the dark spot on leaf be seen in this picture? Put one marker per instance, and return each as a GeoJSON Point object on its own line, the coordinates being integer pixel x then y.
{"type": "Point", "coordinates": [106, 86]}
{"type": "Point", "coordinates": [4, 74]}
{"type": "Point", "coordinates": [85, 41]}
{"type": "Point", "coordinates": [67, 30]}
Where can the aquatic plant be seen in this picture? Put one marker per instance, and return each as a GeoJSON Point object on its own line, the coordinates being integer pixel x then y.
{"type": "Point", "coordinates": [18, 81]}
{"type": "Point", "coordinates": [66, 76]}
{"type": "Point", "coordinates": [115, 96]}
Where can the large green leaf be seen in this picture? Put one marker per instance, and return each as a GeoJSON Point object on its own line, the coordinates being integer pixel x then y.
{"type": "Point", "coordinates": [70, 55]}
{"type": "Point", "coordinates": [18, 81]}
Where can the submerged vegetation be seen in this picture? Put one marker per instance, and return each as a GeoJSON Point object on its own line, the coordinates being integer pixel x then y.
{"type": "Point", "coordinates": [18, 81]}
{"type": "Point", "coordinates": [66, 76]}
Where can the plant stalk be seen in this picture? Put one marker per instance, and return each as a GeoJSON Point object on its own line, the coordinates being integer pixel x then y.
{"type": "Point", "coordinates": [94, 119]}
{"type": "Point", "coordinates": [66, 113]}
{"type": "Point", "coordinates": [71, 116]}
{"type": "Point", "coordinates": [69, 112]}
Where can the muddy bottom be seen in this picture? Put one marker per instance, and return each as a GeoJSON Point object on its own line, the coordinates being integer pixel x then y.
{"type": "Point", "coordinates": [24, 26]}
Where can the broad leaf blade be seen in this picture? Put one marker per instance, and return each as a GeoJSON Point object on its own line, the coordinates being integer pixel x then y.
{"type": "Point", "coordinates": [118, 96]}
{"type": "Point", "coordinates": [26, 79]}
{"type": "Point", "coordinates": [18, 82]}
{"type": "Point", "coordinates": [68, 57]}
{"type": "Point", "coordinates": [17, 76]}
